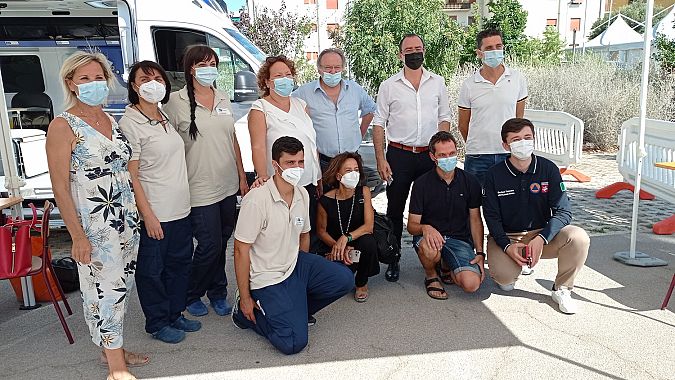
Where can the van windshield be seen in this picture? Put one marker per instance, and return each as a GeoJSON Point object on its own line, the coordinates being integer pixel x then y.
{"type": "Point", "coordinates": [257, 53]}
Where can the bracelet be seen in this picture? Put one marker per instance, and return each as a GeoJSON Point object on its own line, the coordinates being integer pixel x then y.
{"type": "Point", "coordinates": [349, 238]}
{"type": "Point", "coordinates": [481, 253]}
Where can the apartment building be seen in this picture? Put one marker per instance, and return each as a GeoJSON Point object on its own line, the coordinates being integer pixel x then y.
{"type": "Point", "coordinates": [325, 16]}
{"type": "Point", "coordinates": [572, 18]}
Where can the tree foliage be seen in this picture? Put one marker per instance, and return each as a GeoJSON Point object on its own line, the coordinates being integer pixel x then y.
{"type": "Point", "coordinates": [373, 29]}
{"type": "Point", "coordinates": [636, 10]}
{"type": "Point", "coordinates": [509, 17]}
{"type": "Point", "coordinates": [665, 53]}
{"type": "Point", "coordinates": [276, 32]}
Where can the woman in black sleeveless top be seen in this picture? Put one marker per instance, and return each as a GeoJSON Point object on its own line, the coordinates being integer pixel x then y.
{"type": "Point", "coordinates": [345, 220]}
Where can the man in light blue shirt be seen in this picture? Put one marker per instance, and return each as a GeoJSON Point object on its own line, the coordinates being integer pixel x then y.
{"type": "Point", "coordinates": [334, 104]}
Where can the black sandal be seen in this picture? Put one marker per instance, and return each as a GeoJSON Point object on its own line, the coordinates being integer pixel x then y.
{"type": "Point", "coordinates": [430, 289]}
{"type": "Point", "coordinates": [445, 275]}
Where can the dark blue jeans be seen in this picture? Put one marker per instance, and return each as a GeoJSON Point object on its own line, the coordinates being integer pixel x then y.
{"type": "Point", "coordinates": [212, 226]}
{"type": "Point", "coordinates": [162, 273]}
{"type": "Point", "coordinates": [314, 284]}
{"type": "Point", "coordinates": [478, 164]}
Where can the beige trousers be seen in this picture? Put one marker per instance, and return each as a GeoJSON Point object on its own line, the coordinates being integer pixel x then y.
{"type": "Point", "coordinates": [569, 246]}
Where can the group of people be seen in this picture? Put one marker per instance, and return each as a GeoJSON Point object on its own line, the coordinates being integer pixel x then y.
{"type": "Point", "coordinates": [135, 195]}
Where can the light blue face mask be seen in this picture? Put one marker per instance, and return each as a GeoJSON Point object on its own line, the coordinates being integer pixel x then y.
{"type": "Point", "coordinates": [283, 86]}
{"type": "Point", "coordinates": [332, 80]}
{"type": "Point", "coordinates": [93, 93]}
{"type": "Point", "coordinates": [447, 164]}
{"type": "Point", "coordinates": [493, 58]}
{"type": "Point", "coordinates": [206, 75]}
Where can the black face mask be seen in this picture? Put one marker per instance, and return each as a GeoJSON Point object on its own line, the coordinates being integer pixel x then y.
{"type": "Point", "coordinates": [414, 60]}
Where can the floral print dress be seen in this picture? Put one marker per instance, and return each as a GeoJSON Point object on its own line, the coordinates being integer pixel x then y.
{"type": "Point", "coordinates": [104, 200]}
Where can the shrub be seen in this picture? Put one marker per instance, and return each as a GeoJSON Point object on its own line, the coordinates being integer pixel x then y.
{"type": "Point", "coordinates": [599, 93]}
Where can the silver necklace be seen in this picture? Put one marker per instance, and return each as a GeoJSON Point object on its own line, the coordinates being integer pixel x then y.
{"type": "Point", "coordinates": [349, 221]}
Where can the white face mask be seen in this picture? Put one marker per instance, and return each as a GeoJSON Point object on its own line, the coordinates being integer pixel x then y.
{"type": "Point", "coordinates": [153, 91]}
{"type": "Point", "coordinates": [350, 180]}
{"type": "Point", "coordinates": [522, 149]}
{"type": "Point", "coordinates": [292, 175]}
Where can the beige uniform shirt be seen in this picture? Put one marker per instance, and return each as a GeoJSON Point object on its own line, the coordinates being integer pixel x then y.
{"type": "Point", "coordinates": [273, 229]}
{"type": "Point", "coordinates": [211, 162]}
{"type": "Point", "coordinates": [161, 168]}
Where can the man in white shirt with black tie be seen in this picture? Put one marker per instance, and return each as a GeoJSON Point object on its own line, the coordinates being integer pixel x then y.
{"type": "Point", "coordinates": [412, 105]}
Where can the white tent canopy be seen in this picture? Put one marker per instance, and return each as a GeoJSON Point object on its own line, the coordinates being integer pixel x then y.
{"type": "Point", "coordinates": [666, 26]}
{"type": "Point", "coordinates": [618, 32]}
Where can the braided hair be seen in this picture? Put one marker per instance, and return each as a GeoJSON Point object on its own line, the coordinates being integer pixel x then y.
{"type": "Point", "coordinates": [194, 55]}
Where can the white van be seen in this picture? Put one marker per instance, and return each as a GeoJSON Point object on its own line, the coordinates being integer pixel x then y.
{"type": "Point", "coordinates": [36, 36]}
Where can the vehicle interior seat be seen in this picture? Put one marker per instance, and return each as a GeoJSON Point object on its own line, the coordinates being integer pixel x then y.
{"type": "Point", "coordinates": [32, 96]}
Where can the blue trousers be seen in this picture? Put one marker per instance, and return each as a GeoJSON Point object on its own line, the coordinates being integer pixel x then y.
{"type": "Point", "coordinates": [162, 273]}
{"type": "Point", "coordinates": [478, 164]}
{"type": "Point", "coordinates": [314, 284]}
{"type": "Point", "coordinates": [212, 226]}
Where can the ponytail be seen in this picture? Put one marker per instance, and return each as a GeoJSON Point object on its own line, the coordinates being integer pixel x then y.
{"type": "Point", "coordinates": [193, 106]}
{"type": "Point", "coordinates": [195, 54]}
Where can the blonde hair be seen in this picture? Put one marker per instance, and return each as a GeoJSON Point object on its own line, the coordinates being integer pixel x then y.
{"type": "Point", "coordinates": [74, 62]}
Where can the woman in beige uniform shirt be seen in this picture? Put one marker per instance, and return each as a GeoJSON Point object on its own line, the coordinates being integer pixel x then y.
{"type": "Point", "coordinates": [203, 117]}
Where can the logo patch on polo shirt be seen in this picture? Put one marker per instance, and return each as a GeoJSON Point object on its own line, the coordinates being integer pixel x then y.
{"type": "Point", "coordinates": [535, 188]}
{"type": "Point", "coordinates": [544, 187]}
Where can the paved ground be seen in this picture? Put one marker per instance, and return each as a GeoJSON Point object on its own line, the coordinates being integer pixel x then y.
{"type": "Point", "coordinates": [400, 333]}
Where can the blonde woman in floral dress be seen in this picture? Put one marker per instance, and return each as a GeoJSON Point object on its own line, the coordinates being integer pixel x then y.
{"type": "Point", "coordinates": [88, 156]}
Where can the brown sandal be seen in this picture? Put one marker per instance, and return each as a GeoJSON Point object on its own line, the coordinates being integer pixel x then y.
{"type": "Point", "coordinates": [428, 282]}
{"type": "Point", "coordinates": [130, 358]}
{"type": "Point", "coordinates": [361, 295]}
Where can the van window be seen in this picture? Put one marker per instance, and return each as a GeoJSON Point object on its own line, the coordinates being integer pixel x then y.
{"type": "Point", "coordinates": [230, 63]}
{"type": "Point", "coordinates": [59, 28]}
{"type": "Point", "coordinates": [22, 73]}
{"type": "Point", "coordinates": [170, 46]}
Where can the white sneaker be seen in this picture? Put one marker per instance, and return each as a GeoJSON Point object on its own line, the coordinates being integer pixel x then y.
{"type": "Point", "coordinates": [563, 297]}
{"type": "Point", "coordinates": [507, 287]}
{"type": "Point", "coordinates": [526, 270]}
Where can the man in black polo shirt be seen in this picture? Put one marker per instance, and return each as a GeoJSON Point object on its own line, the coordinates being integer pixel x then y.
{"type": "Point", "coordinates": [528, 214]}
{"type": "Point", "coordinates": [444, 219]}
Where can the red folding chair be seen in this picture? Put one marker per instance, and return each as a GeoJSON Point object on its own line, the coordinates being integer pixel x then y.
{"type": "Point", "coordinates": [17, 260]}
{"type": "Point", "coordinates": [670, 292]}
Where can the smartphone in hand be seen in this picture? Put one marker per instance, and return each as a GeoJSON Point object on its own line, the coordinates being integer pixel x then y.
{"type": "Point", "coordinates": [354, 255]}
{"type": "Point", "coordinates": [526, 254]}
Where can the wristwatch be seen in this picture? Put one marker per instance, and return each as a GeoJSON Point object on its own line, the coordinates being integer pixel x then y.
{"type": "Point", "coordinates": [349, 238]}
{"type": "Point", "coordinates": [481, 253]}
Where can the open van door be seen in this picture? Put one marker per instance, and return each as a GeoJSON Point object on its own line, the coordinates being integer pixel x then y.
{"type": "Point", "coordinates": [125, 20]}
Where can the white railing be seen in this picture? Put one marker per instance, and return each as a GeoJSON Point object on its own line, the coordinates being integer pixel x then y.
{"type": "Point", "coordinates": [558, 136]}
{"type": "Point", "coordinates": [659, 147]}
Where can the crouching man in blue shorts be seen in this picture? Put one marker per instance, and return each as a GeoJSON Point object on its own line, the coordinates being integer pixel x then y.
{"type": "Point", "coordinates": [445, 221]}
{"type": "Point", "coordinates": [280, 285]}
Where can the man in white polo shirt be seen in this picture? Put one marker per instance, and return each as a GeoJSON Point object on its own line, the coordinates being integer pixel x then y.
{"type": "Point", "coordinates": [412, 105]}
{"type": "Point", "coordinates": [492, 95]}
{"type": "Point", "coordinates": [280, 285]}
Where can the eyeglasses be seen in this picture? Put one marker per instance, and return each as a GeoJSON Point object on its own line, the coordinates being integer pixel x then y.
{"type": "Point", "coordinates": [154, 122]}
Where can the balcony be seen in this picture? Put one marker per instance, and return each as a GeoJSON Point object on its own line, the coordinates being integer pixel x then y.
{"type": "Point", "coordinates": [458, 4]}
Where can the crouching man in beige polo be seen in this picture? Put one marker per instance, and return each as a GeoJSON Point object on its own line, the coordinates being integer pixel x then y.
{"type": "Point", "coordinates": [528, 213]}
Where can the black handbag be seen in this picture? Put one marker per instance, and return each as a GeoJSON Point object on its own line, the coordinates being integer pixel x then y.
{"type": "Point", "coordinates": [65, 270]}
{"type": "Point", "coordinates": [388, 249]}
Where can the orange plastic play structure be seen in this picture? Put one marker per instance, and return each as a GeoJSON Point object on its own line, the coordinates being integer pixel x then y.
{"type": "Point", "coordinates": [579, 176]}
{"type": "Point", "coordinates": [608, 191]}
